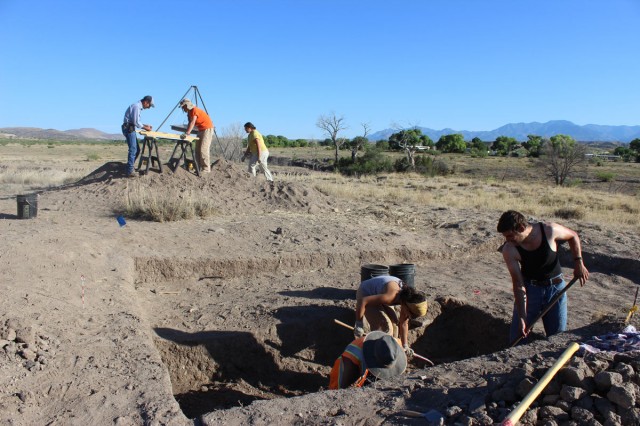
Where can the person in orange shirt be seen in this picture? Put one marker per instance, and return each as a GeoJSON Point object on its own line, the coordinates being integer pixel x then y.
{"type": "Point", "coordinates": [200, 120]}
{"type": "Point", "coordinates": [377, 353]}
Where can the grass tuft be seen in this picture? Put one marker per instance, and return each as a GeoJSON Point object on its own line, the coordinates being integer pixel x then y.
{"type": "Point", "coordinates": [570, 213]}
{"type": "Point", "coordinates": [165, 206]}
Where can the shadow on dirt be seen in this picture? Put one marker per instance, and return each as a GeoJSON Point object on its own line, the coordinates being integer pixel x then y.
{"type": "Point", "coordinates": [105, 173]}
{"type": "Point", "coordinates": [312, 330]}
{"type": "Point", "coordinates": [324, 293]}
{"type": "Point", "coordinates": [220, 369]}
{"type": "Point", "coordinates": [461, 332]}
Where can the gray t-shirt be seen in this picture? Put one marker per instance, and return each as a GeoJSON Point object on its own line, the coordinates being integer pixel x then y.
{"type": "Point", "coordinates": [376, 285]}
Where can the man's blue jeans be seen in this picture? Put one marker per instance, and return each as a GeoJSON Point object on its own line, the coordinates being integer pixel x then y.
{"type": "Point", "coordinates": [132, 141]}
{"type": "Point", "coordinates": [555, 321]}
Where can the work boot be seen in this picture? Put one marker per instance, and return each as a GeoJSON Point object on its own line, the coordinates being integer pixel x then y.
{"type": "Point", "coordinates": [133, 174]}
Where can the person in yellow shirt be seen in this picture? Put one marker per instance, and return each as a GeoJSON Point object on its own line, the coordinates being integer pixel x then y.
{"type": "Point", "coordinates": [257, 152]}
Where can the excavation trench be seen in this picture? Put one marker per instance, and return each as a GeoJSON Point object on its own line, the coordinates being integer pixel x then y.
{"type": "Point", "coordinates": [290, 352]}
{"type": "Point", "coordinates": [232, 332]}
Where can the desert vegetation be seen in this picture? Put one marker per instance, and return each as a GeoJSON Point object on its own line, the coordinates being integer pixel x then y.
{"type": "Point", "coordinates": [602, 192]}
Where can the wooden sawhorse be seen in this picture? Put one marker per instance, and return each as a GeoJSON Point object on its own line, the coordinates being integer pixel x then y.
{"type": "Point", "coordinates": [189, 163]}
{"type": "Point", "coordinates": [149, 144]}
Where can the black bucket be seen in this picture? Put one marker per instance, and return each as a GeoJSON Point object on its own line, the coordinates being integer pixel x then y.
{"type": "Point", "coordinates": [372, 270]}
{"type": "Point", "coordinates": [27, 206]}
{"type": "Point", "coordinates": [405, 271]}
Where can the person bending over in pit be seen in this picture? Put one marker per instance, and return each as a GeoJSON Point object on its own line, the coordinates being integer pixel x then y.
{"type": "Point", "coordinates": [376, 353]}
{"type": "Point", "coordinates": [531, 255]}
{"type": "Point", "coordinates": [375, 301]}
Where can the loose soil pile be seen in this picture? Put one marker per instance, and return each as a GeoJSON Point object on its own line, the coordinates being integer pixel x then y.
{"type": "Point", "coordinates": [230, 319]}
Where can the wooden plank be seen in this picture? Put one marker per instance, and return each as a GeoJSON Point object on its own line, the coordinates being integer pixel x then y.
{"type": "Point", "coordinates": [170, 136]}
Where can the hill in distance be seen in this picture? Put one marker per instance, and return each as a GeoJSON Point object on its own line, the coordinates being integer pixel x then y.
{"type": "Point", "coordinates": [60, 135]}
{"type": "Point", "coordinates": [520, 131]}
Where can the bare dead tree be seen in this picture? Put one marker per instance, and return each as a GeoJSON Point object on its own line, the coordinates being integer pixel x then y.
{"type": "Point", "coordinates": [562, 155]}
{"type": "Point", "coordinates": [332, 125]}
{"type": "Point", "coordinates": [232, 137]}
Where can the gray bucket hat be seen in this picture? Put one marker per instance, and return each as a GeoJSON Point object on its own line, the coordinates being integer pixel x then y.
{"type": "Point", "coordinates": [186, 103]}
{"type": "Point", "coordinates": [383, 355]}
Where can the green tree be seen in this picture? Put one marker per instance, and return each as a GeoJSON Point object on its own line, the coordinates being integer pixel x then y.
{"type": "Point", "coordinates": [359, 142]}
{"type": "Point", "coordinates": [271, 140]}
{"type": "Point", "coordinates": [478, 148]}
{"type": "Point", "coordinates": [534, 144]}
{"type": "Point", "coordinates": [561, 156]}
{"type": "Point", "coordinates": [503, 145]}
{"type": "Point", "coordinates": [635, 145]}
{"type": "Point", "coordinates": [451, 143]}
{"type": "Point", "coordinates": [407, 140]}
{"type": "Point", "coordinates": [382, 145]}
{"type": "Point", "coordinates": [478, 144]}
{"type": "Point", "coordinates": [627, 154]}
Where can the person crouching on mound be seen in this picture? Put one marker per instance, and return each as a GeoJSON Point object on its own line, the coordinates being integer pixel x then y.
{"type": "Point", "coordinates": [377, 353]}
{"type": "Point", "coordinates": [375, 301]}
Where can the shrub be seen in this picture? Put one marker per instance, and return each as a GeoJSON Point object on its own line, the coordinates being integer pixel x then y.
{"type": "Point", "coordinates": [569, 213]}
{"type": "Point", "coordinates": [373, 161]}
{"type": "Point", "coordinates": [479, 153]}
{"type": "Point", "coordinates": [605, 176]}
{"type": "Point", "coordinates": [425, 165]}
{"type": "Point", "coordinates": [93, 157]}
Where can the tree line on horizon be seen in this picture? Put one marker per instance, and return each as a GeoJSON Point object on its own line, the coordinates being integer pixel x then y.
{"type": "Point", "coordinates": [413, 139]}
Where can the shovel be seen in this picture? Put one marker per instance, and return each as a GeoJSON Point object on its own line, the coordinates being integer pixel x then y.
{"type": "Point", "coordinates": [544, 311]}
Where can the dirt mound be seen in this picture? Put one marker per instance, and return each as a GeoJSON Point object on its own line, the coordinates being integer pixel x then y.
{"type": "Point", "coordinates": [228, 187]}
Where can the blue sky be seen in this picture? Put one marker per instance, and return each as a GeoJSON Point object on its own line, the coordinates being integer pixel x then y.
{"type": "Point", "coordinates": [460, 64]}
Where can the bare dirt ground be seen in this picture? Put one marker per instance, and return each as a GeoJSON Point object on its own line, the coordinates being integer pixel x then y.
{"type": "Point", "coordinates": [230, 319]}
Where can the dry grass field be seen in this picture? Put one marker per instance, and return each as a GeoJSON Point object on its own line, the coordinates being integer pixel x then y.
{"type": "Point", "coordinates": [493, 183]}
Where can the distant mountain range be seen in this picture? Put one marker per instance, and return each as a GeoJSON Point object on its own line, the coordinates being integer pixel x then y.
{"type": "Point", "coordinates": [60, 135]}
{"type": "Point", "coordinates": [519, 131]}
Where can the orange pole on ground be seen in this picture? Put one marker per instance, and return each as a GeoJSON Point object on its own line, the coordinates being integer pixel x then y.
{"type": "Point", "coordinates": [514, 416]}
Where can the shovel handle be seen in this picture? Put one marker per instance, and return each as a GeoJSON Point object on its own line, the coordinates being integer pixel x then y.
{"type": "Point", "coordinates": [425, 359]}
{"type": "Point", "coordinates": [544, 311]}
{"type": "Point", "coordinates": [343, 324]}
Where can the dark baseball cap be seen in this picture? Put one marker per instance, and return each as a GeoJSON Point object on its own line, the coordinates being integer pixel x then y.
{"type": "Point", "coordinates": [148, 99]}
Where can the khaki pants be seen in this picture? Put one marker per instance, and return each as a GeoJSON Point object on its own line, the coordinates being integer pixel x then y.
{"type": "Point", "coordinates": [378, 318]}
{"type": "Point", "coordinates": [203, 145]}
{"type": "Point", "coordinates": [255, 163]}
